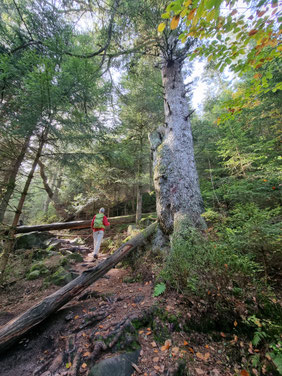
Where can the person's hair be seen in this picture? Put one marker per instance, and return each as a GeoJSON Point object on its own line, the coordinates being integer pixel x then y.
{"type": "Point", "coordinates": [102, 210]}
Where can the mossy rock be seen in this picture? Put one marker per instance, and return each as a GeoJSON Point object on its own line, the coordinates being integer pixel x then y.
{"type": "Point", "coordinates": [33, 275]}
{"type": "Point", "coordinates": [40, 267]}
{"type": "Point", "coordinates": [32, 240]}
{"type": "Point", "coordinates": [74, 257]}
{"type": "Point", "coordinates": [54, 261]}
{"type": "Point", "coordinates": [61, 277]}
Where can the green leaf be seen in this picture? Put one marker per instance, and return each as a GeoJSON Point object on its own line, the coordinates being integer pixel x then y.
{"type": "Point", "coordinates": [277, 360]}
{"type": "Point", "coordinates": [165, 15]}
{"type": "Point", "coordinates": [159, 289]}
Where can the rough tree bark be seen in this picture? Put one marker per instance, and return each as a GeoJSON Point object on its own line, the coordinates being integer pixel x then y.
{"type": "Point", "coordinates": [139, 187]}
{"type": "Point", "coordinates": [12, 179]}
{"type": "Point", "coordinates": [59, 207]}
{"type": "Point", "coordinates": [175, 174]}
{"type": "Point", "coordinates": [9, 243]}
{"type": "Point", "coordinates": [16, 328]}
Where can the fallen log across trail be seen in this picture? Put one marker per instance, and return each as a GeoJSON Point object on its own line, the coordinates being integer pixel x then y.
{"type": "Point", "coordinates": [19, 326]}
{"type": "Point", "coordinates": [77, 224]}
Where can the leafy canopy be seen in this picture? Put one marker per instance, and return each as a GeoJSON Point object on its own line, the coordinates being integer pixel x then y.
{"type": "Point", "coordinates": [242, 35]}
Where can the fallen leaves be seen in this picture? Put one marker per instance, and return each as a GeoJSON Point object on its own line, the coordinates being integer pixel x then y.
{"type": "Point", "coordinates": [167, 345]}
{"type": "Point", "coordinates": [203, 357]}
{"type": "Point", "coordinates": [84, 365]}
{"type": "Point", "coordinates": [153, 344]}
{"type": "Point", "coordinates": [244, 373]}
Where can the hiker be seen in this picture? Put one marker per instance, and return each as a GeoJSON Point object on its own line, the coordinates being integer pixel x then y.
{"type": "Point", "coordinates": [98, 224]}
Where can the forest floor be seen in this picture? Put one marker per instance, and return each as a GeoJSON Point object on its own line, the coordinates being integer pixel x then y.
{"type": "Point", "coordinates": [111, 316]}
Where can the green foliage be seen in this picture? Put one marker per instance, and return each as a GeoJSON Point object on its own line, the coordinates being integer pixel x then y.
{"type": "Point", "coordinates": [241, 40]}
{"type": "Point", "coordinates": [266, 335]}
{"type": "Point", "coordinates": [159, 289]}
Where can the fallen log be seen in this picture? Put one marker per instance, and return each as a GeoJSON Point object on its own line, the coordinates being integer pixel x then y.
{"type": "Point", "coordinates": [75, 224]}
{"type": "Point", "coordinates": [19, 326]}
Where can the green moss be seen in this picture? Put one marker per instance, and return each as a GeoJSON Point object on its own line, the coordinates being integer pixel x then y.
{"type": "Point", "coordinates": [75, 256]}
{"type": "Point", "coordinates": [61, 277]}
{"type": "Point", "coordinates": [33, 275]}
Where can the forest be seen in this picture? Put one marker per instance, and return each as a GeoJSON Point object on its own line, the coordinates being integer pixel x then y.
{"type": "Point", "coordinates": [99, 109]}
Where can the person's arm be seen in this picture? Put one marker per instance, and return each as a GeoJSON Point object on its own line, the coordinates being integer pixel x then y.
{"type": "Point", "coordinates": [105, 221]}
{"type": "Point", "coordinates": [92, 223]}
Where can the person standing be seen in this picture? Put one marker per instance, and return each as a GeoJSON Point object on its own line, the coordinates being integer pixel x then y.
{"type": "Point", "coordinates": [98, 224]}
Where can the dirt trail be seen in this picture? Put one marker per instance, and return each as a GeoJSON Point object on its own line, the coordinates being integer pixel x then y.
{"type": "Point", "coordinates": [98, 324]}
{"type": "Point", "coordinates": [94, 314]}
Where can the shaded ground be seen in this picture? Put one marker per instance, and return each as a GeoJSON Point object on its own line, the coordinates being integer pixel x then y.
{"type": "Point", "coordinates": [109, 317]}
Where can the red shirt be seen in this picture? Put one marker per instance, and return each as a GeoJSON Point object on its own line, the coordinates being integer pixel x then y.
{"type": "Point", "coordinates": [105, 223]}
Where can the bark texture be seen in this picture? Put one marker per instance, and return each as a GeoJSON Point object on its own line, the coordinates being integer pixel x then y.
{"type": "Point", "coordinates": [175, 174]}
{"type": "Point", "coordinates": [59, 207]}
{"type": "Point", "coordinates": [9, 243]}
{"type": "Point", "coordinates": [16, 328]}
{"type": "Point", "coordinates": [12, 179]}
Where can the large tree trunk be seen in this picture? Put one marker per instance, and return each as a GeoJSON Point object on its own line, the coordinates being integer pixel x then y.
{"type": "Point", "coordinates": [9, 243]}
{"type": "Point", "coordinates": [175, 175]}
{"type": "Point", "coordinates": [11, 183]}
{"type": "Point", "coordinates": [16, 328]}
{"type": "Point", "coordinates": [59, 207]}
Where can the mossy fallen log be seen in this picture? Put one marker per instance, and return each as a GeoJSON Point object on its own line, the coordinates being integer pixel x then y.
{"type": "Point", "coordinates": [76, 224]}
{"type": "Point", "coordinates": [19, 326]}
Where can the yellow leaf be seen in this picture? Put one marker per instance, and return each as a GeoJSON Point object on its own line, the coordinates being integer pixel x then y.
{"type": "Point", "coordinates": [187, 3]}
{"type": "Point", "coordinates": [68, 365]}
{"type": "Point", "coordinates": [84, 365]}
{"type": "Point", "coordinates": [76, 317]}
{"type": "Point", "coordinates": [185, 343]}
{"type": "Point", "coordinates": [210, 15]}
{"type": "Point", "coordinates": [183, 13]}
{"type": "Point", "coordinates": [235, 323]}
{"type": "Point", "coordinates": [174, 22]}
{"type": "Point", "coordinates": [161, 27]}
{"type": "Point", "coordinates": [87, 353]}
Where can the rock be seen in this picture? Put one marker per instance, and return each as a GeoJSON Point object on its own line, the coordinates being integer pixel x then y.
{"type": "Point", "coordinates": [75, 257]}
{"type": "Point", "coordinates": [139, 298]}
{"type": "Point", "coordinates": [33, 239]}
{"type": "Point", "coordinates": [33, 275]}
{"type": "Point", "coordinates": [119, 365]}
{"type": "Point", "coordinates": [69, 316]}
{"type": "Point", "coordinates": [160, 242]}
{"type": "Point", "coordinates": [61, 277]}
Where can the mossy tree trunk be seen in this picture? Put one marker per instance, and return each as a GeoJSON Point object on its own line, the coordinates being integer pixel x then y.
{"type": "Point", "coordinates": [175, 174]}
{"type": "Point", "coordinates": [11, 179]}
{"type": "Point", "coordinates": [10, 239]}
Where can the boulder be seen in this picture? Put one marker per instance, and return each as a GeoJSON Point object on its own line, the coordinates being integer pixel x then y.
{"type": "Point", "coordinates": [120, 365]}
{"type": "Point", "coordinates": [33, 240]}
